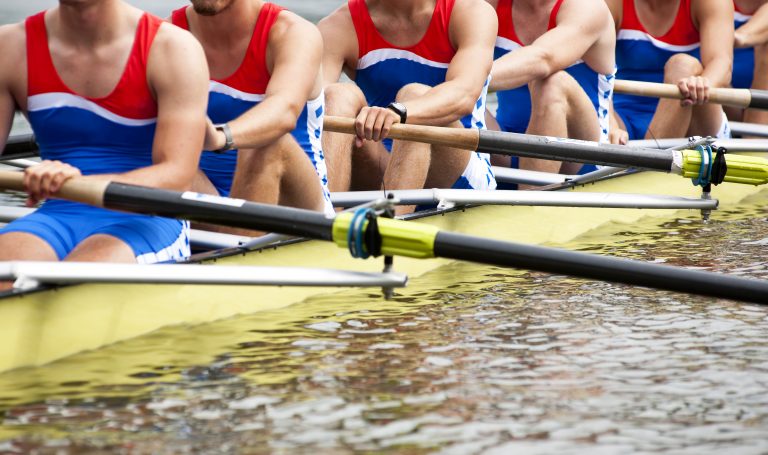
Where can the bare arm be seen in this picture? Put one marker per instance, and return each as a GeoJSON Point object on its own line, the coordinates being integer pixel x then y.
{"type": "Point", "coordinates": [7, 109]}
{"type": "Point", "coordinates": [340, 46]}
{"type": "Point", "coordinates": [473, 30]}
{"type": "Point", "coordinates": [556, 49]}
{"type": "Point", "coordinates": [11, 55]}
{"type": "Point", "coordinates": [178, 75]}
{"type": "Point", "coordinates": [755, 31]}
{"type": "Point", "coordinates": [296, 48]}
{"type": "Point", "coordinates": [715, 20]}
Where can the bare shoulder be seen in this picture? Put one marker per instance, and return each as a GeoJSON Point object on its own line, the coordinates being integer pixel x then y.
{"type": "Point", "coordinates": [13, 48]}
{"type": "Point", "coordinates": [172, 39]}
{"type": "Point", "coordinates": [703, 8]}
{"type": "Point", "coordinates": [291, 25]}
{"type": "Point", "coordinates": [472, 20]}
{"type": "Point", "coordinates": [175, 55]}
{"type": "Point", "coordinates": [12, 40]}
{"type": "Point", "coordinates": [175, 48]}
{"type": "Point", "coordinates": [495, 3]}
{"type": "Point", "coordinates": [479, 10]}
{"type": "Point", "coordinates": [338, 22]}
{"type": "Point", "coordinates": [599, 12]}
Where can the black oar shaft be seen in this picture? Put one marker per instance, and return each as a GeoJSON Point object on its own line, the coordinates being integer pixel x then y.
{"type": "Point", "coordinates": [19, 146]}
{"type": "Point", "coordinates": [550, 260]}
{"type": "Point", "coordinates": [573, 150]}
{"type": "Point", "coordinates": [758, 99]}
{"type": "Point", "coordinates": [216, 210]}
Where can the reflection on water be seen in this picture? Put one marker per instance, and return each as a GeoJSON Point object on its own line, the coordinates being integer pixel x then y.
{"type": "Point", "coordinates": [497, 361]}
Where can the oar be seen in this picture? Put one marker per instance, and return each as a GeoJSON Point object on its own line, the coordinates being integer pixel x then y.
{"type": "Point", "coordinates": [738, 97]}
{"type": "Point", "coordinates": [400, 238]}
{"type": "Point", "coordinates": [687, 163]}
{"type": "Point", "coordinates": [19, 146]}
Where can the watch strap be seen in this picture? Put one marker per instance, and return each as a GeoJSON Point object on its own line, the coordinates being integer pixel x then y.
{"type": "Point", "coordinates": [229, 143]}
{"type": "Point", "coordinates": [399, 109]}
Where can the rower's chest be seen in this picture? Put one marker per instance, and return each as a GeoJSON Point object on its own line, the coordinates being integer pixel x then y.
{"type": "Point", "coordinates": [94, 72]}
{"type": "Point", "coordinates": [657, 17]}
{"type": "Point", "coordinates": [224, 61]}
{"type": "Point", "coordinates": [401, 31]}
{"type": "Point", "coordinates": [529, 23]}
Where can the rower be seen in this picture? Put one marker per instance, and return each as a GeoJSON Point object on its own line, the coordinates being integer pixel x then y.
{"type": "Point", "coordinates": [750, 56]}
{"type": "Point", "coordinates": [684, 42]}
{"type": "Point", "coordinates": [416, 61]}
{"type": "Point", "coordinates": [112, 93]}
{"type": "Point", "coordinates": [266, 103]}
{"type": "Point", "coordinates": [554, 72]}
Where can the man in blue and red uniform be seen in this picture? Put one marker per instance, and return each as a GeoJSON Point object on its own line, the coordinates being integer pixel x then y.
{"type": "Point", "coordinates": [750, 56]}
{"type": "Point", "coordinates": [416, 61]}
{"type": "Point", "coordinates": [266, 103]}
{"type": "Point", "coordinates": [554, 71]}
{"type": "Point", "coordinates": [684, 42]}
{"type": "Point", "coordinates": [107, 89]}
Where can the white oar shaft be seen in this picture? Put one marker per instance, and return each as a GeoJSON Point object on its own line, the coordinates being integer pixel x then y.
{"type": "Point", "coordinates": [32, 274]}
{"type": "Point", "coordinates": [527, 198]}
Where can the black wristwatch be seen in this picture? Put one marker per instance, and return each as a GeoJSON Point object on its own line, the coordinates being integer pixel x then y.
{"type": "Point", "coordinates": [399, 109]}
{"type": "Point", "coordinates": [229, 143]}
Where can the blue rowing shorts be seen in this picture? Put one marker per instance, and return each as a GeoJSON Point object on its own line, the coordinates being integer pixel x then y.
{"type": "Point", "coordinates": [64, 225]}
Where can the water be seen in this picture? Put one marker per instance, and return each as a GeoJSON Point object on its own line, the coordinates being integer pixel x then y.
{"type": "Point", "coordinates": [501, 361]}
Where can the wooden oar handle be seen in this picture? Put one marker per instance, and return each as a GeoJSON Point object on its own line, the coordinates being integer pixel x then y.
{"type": "Point", "coordinates": [725, 96]}
{"type": "Point", "coordinates": [77, 189]}
{"type": "Point", "coordinates": [466, 139]}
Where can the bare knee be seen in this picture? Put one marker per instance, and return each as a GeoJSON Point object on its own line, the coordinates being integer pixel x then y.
{"type": "Point", "coordinates": [344, 98]}
{"type": "Point", "coordinates": [552, 91]}
{"type": "Point", "coordinates": [411, 91]}
{"type": "Point", "coordinates": [681, 65]}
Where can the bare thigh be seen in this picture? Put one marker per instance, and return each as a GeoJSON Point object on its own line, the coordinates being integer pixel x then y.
{"type": "Point", "coordinates": [20, 246]}
{"type": "Point", "coordinates": [102, 248]}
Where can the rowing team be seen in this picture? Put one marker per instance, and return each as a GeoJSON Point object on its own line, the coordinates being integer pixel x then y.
{"type": "Point", "coordinates": [114, 93]}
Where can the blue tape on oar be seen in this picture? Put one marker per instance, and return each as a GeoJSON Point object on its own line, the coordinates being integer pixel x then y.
{"type": "Point", "coordinates": [705, 169]}
{"type": "Point", "coordinates": [357, 232]}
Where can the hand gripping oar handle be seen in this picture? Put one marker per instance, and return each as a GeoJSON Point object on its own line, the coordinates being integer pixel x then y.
{"type": "Point", "coordinates": [746, 98]}
{"type": "Point", "coordinates": [741, 169]}
{"type": "Point", "coordinates": [465, 139]}
{"type": "Point", "coordinates": [399, 237]}
{"type": "Point", "coordinates": [78, 189]}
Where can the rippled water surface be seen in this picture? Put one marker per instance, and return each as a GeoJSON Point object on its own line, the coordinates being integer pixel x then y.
{"type": "Point", "coordinates": [469, 359]}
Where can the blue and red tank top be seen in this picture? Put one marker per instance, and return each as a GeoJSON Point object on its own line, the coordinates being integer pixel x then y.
{"type": "Point", "coordinates": [232, 96]}
{"type": "Point", "coordinates": [383, 68]}
{"type": "Point", "coordinates": [112, 134]}
{"type": "Point", "coordinates": [514, 110]}
{"type": "Point", "coordinates": [641, 56]}
{"type": "Point", "coordinates": [743, 58]}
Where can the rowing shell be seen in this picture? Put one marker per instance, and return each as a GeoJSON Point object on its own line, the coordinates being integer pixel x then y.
{"type": "Point", "coordinates": [45, 325]}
